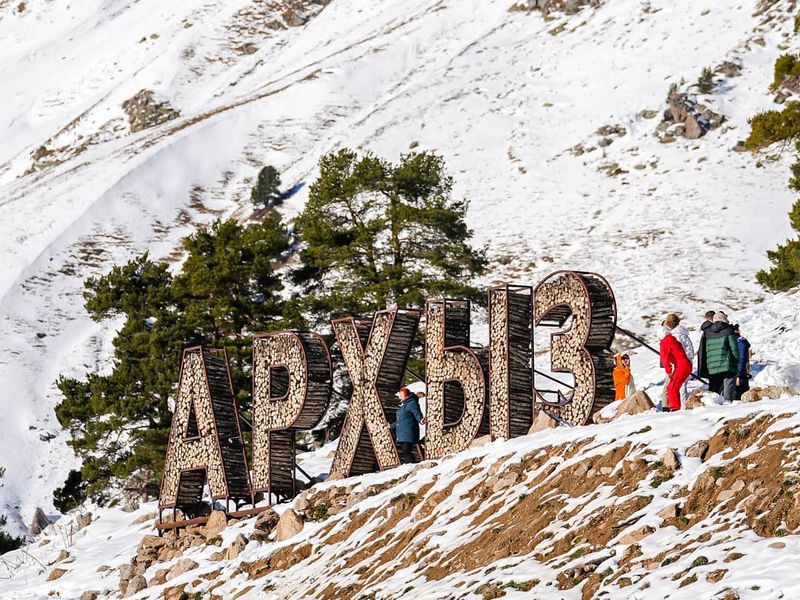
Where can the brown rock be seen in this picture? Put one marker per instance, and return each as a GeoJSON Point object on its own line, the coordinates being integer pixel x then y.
{"type": "Point", "coordinates": [63, 555]}
{"type": "Point", "coordinates": [56, 574]}
{"type": "Point", "coordinates": [773, 392]}
{"type": "Point", "coordinates": [40, 522]}
{"type": "Point", "coordinates": [126, 572]}
{"type": "Point", "coordinates": [636, 536]}
{"type": "Point", "coordinates": [480, 441]}
{"type": "Point", "coordinates": [636, 403]}
{"type": "Point", "coordinates": [236, 548]}
{"type": "Point", "coordinates": [217, 521]}
{"type": "Point", "coordinates": [716, 575]}
{"type": "Point", "coordinates": [670, 459]}
{"type": "Point", "coordinates": [698, 450]}
{"type": "Point", "coordinates": [179, 568]}
{"type": "Point", "coordinates": [89, 595]}
{"type": "Point", "coordinates": [504, 482]}
{"type": "Point", "coordinates": [692, 129]}
{"type": "Point", "coordinates": [159, 578]}
{"type": "Point", "coordinates": [135, 585]}
{"type": "Point", "coordinates": [175, 592]}
{"type": "Point", "coordinates": [541, 422]}
{"type": "Point", "coordinates": [670, 512]}
{"type": "Point", "coordinates": [300, 503]}
{"type": "Point", "coordinates": [267, 521]}
{"type": "Point", "coordinates": [290, 524]}
{"type": "Point", "coordinates": [151, 541]}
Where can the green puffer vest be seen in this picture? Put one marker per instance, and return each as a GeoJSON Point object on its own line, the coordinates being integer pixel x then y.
{"type": "Point", "coordinates": [722, 349]}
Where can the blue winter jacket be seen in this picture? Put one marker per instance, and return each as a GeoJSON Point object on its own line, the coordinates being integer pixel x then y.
{"type": "Point", "coordinates": [744, 357]}
{"type": "Point", "coordinates": [406, 423]}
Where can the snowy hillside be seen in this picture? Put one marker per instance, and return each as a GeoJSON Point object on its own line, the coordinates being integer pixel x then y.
{"type": "Point", "coordinates": [502, 94]}
{"type": "Point", "coordinates": [699, 504]}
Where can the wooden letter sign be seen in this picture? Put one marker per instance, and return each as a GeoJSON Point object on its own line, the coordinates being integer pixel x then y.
{"type": "Point", "coordinates": [457, 380]}
{"type": "Point", "coordinates": [375, 358]}
{"type": "Point", "coordinates": [583, 349]}
{"type": "Point", "coordinates": [291, 391]}
{"type": "Point", "coordinates": [205, 442]}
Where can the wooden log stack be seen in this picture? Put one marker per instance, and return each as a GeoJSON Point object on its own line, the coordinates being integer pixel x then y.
{"type": "Point", "coordinates": [457, 379]}
{"type": "Point", "coordinates": [583, 349]}
{"type": "Point", "coordinates": [376, 373]}
{"type": "Point", "coordinates": [291, 392]}
{"type": "Point", "coordinates": [205, 442]}
{"type": "Point", "coordinates": [510, 360]}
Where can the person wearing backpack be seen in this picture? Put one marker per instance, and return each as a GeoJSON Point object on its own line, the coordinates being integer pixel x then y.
{"type": "Point", "coordinates": [722, 357]}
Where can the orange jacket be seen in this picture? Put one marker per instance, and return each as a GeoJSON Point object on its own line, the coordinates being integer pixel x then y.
{"type": "Point", "coordinates": [622, 376]}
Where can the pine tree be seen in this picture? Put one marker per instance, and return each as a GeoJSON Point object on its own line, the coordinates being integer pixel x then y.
{"type": "Point", "coordinates": [225, 291]}
{"type": "Point", "coordinates": [266, 192]}
{"type": "Point", "coordinates": [378, 234]}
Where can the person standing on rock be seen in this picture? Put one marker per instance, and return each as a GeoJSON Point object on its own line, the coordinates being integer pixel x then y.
{"type": "Point", "coordinates": [680, 333]}
{"type": "Point", "coordinates": [406, 425]}
{"type": "Point", "coordinates": [675, 363]}
{"type": "Point", "coordinates": [623, 378]}
{"type": "Point", "coordinates": [743, 373]}
{"type": "Point", "coordinates": [722, 357]}
{"type": "Point", "coordinates": [702, 369]}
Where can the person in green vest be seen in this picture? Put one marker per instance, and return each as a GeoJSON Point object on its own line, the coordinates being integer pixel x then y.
{"type": "Point", "coordinates": [722, 357]}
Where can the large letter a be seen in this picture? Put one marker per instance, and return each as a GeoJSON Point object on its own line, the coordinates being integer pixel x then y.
{"type": "Point", "coordinates": [205, 441]}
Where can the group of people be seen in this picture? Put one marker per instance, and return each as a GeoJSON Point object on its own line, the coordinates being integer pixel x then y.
{"type": "Point", "coordinates": [723, 361]}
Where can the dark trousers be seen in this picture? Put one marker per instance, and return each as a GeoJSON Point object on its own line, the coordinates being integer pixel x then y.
{"type": "Point", "coordinates": [723, 384]}
{"type": "Point", "coordinates": [406, 452]}
{"type": "Point", "coordinates": [744, 385]}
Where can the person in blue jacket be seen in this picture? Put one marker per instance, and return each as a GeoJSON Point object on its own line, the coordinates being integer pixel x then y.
{"type": "Point", "coordinates": [406, 425]}
{"type": "Point", "coordinates": [743, 372]}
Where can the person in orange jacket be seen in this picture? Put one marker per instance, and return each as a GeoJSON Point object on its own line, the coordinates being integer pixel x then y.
{"type": "Point", "coordinates": [623, 380]}
{"type": "Point", "coordinates": [675, 363]}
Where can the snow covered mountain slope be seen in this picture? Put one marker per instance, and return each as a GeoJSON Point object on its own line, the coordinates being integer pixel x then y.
{"type": "Point", "coordinates": [502, 94]}
{"type": "Point", "coordinates": [621, 510]}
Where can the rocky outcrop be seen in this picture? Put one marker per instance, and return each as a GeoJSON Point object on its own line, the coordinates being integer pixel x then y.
{"type": "Point", "coordinates": [289, 525]}
{"type": "Point", "coordinates": [772, 392]}
{"type": "Point", "coordinates": [686, 117]}
{"type": "Point", "coordinates": [40, 522]}
{"type": "Point", "coordinates": [634, 404]}
{"type": "Point", "coordinates": [144, 111]}
{"type": "Point", "coordinates": [542, 421]}
{"type": "Point", "coordinates": [569, 7]}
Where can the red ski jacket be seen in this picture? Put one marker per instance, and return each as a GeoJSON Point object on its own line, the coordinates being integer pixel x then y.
{"type": "Point", "coordinates": [673, 356]}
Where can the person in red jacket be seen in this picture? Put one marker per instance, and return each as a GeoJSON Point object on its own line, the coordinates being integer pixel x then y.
{"type": "Point", "coordinates": [675, 363]}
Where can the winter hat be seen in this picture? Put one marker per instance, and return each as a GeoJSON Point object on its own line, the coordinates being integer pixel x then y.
{"type": "Point", "coordinates": [720, 317]}
{"type": "Point", "coordinates": [672, 320]}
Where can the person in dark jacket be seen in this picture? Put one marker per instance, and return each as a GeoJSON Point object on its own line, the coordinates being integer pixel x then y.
{"type": "Point", "coordinates": [743, 373]}
{"type": "Point", "coordinates": [722, 357]}
{"type": "Point", "coordinates": [702, 369]}
{"type": "Point", "coordinates": [406, 425]}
